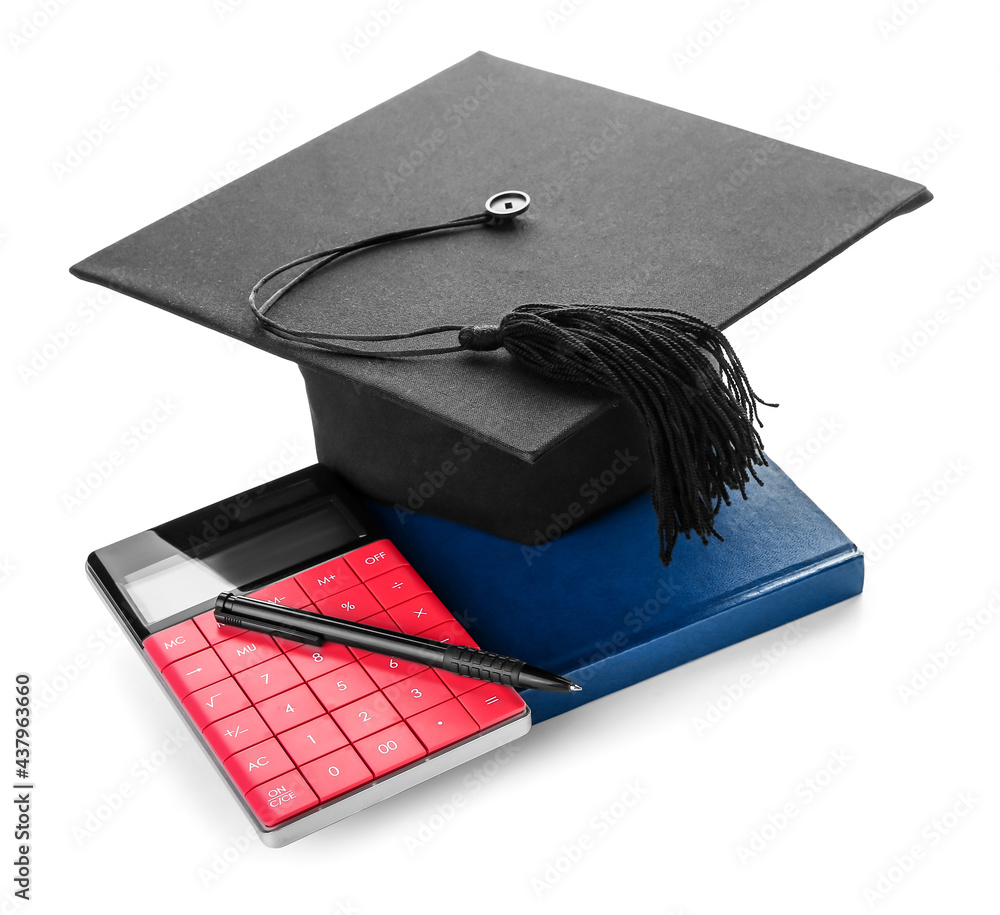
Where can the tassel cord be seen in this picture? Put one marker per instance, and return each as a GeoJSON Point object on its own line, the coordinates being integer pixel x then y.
{"type": "Point", "coordinates": [320, 259]}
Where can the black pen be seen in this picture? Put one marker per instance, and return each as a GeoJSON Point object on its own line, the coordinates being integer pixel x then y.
{"type": "Point", "coordinates": [315, 629]}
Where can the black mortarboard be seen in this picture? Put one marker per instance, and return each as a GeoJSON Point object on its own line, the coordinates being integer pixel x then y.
{"type": "Point", "coordinates": [633, 204]}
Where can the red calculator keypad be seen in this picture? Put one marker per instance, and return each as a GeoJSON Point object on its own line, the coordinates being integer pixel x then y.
{"type": "Point", "coordinates": [195, 671]}
{"type": "Point", "coordinates": [490, 704]}
{"type": "Point", "coordinates": [419, 614]}
{"type": "Point", "coordinates": [394, 587]}
{"type": "Point", "coordinates": [366, 716]}
{"type": "Point", "coordinates": [246, 650]}
{"type": "Point", "coordinates": [212, 703]}
{"type": "Point", "coordinates": [268, 679]}
{"type": "Point", "coordinates": [175, 643]}
{"type": "Point", "coordinates": [418, 693]}
{"type": "Point", "coordinates": [374, 559]}
{"type": "Point", "coordinates": [326, 580]}
{"type": "Point", "coordinates": [213, 630]}
{"type": "Point", "coordinates": [385, 670]}
{"type": "Point", "coordinates": [342, 686]}
{"type": "Point", "coordinates": [281, 798]}
{"type": "Point", "coordinates": [286, 710]}
{"type": "Point", "coordinates": [313, 661]}
{"type": "Point", "coordinates": [286, 593]}
{"type": "Point", "coordinates": [296, 726]}
{"type": "Point", "coordinates": [312, 739]}
{"type": "Point", "coordinates": [337, 773]}
{"type": "Point", "coordinates": [237, 732]}
{"type": "Point", "coordinates": [443, 725]}
{"type": "Point", "coordinates": [353, 604]}
{"type": "Point", "coordinates": [391, 749]}
{"type": "Point", "coordinates": [255, 765]}
{"type": "Point", "coordinates": [452, 633]}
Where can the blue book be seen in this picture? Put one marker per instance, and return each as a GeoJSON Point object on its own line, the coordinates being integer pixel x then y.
{"type": "Point", "coordinates": [596, 605]}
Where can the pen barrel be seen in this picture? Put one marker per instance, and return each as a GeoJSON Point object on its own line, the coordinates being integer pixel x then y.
{"type": "Point", "coordinates": [315, 629]}
{"type": "Point", "coordinates": [483, 665]}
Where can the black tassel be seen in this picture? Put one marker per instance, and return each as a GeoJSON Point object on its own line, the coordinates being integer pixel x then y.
{"type": "Point", "coordinates": [679, 372]}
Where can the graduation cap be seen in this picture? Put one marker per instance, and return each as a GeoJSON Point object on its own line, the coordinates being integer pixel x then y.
{"type": "Point", "coordinates": [517, 368]}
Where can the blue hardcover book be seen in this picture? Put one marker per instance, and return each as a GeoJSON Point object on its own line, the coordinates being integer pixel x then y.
{"type": "Point", "coordinates": [596, 605]}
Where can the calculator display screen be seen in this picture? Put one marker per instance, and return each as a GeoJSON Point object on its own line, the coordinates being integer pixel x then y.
{"type": "Point", "coordinates": [159, 590]}
{"type": "Point", "coordinates": [173, 568]}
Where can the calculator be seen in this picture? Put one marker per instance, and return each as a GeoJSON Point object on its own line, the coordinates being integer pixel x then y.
{"type": "Point", "coordinates": [303, 736]}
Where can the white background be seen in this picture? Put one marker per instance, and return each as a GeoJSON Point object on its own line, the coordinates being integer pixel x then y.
{"type": "Point", "coordinates": [129, 816]}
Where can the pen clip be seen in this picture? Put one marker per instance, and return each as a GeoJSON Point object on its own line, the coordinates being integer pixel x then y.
{"type": "Point", "coordinates": [284, 632]}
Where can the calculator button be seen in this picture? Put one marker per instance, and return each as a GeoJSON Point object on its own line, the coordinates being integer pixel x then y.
{"type": "Point", "coordinates": [379, 621]}
{"type": "Point", "coordinates": [255, 765]}
{"type": "Point", "coordinates": [417, 694]}
{"type": "Point", "coordinates": [313, 739]}
{"type": "Point", "coordinates": [337, 773]}
{"type": "Point", "coordinates": [286, 593]}
{"type": "Point", "coordinates": [290, 708]}
{"type": "Point", "coordinates": [355, 603]}
{"type": "Point", "coordinates": [396, 586]}
{"type": "Point", "coordinates": [443, 725]}
{"type": "Point", "coordinates": [237, 732]}
{"type": "Point", "coordinates": [326, 580]}
{"type": "Point", "coordinates": [490, 704]}
{"type": "Point", "coordinates": [281, 798]}
{"type": "Point", "coordinates": [422, 613]}
{"type": "Point", "coordinates": [213, 630]}
{"type": "Point", "coordinates": [451, 633]}
{"type": "Point", "coordinates": [374, 559]}
{"type": "Point", "coordinates": [457, 683]}
{"type": "Point", "coordinates": [194, 671]}
{"type": "Point", "coordinates": [313, 661]}
{"type": "Point", "coordinates": [390, 749]}
{"type": "Point", "coordinates": [215, 702]}
{"type": "Point", "coordinates": [268, 679]}
{"type": "Point", "coordinates": [174, 643]}
{"type": "Point", "coordinates": [247, 650]}
{"type": "Point", "coordinates": [385, 670]}
{"type": "Point", "coordinates": [366, 716]}
{"type": "Point", "coordinates": [287, 645]}
{"type": "Point", "coordinates": [342, 686]}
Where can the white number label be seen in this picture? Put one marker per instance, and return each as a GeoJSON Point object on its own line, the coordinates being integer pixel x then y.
{"type": "Point", "coordinates": [387, 746]}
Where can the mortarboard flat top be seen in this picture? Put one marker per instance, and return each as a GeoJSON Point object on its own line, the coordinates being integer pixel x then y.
{"type": "Point", "coordinates": [633, 203]}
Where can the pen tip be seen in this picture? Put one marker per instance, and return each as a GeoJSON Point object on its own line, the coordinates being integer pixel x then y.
{"type": "Point", "coordinates": [576, 688]}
